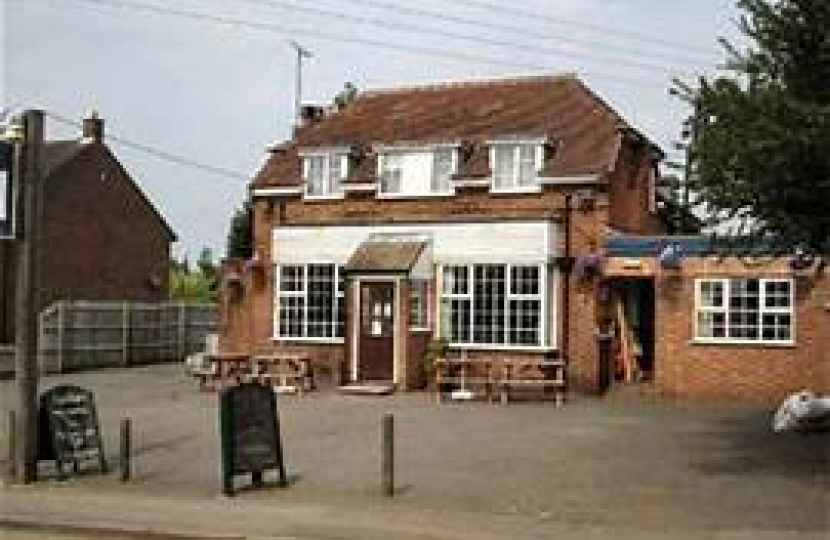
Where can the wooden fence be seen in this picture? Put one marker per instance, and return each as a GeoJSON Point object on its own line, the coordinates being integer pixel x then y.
{"type": "Point", "coordinates": [82, 335]}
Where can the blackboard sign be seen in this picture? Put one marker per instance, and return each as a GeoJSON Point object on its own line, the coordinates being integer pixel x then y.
{"type": "Point", "coordinates": [70, 432]}
{"type": "Point", "coordinates": [7, 193]}
{"type": "Point", "coordinates": [250, 434]}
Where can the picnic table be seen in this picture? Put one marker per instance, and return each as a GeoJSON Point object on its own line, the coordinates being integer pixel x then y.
{"type": "Point", "coordinates": [284, 370]}
{"type": "Point", "coordinates": [501, 375]}
{"type": "Point", "coordinates": [231, 365]}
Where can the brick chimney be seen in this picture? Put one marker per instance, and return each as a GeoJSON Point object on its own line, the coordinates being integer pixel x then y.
{"type": "Point", "coordinates": [93, 128]}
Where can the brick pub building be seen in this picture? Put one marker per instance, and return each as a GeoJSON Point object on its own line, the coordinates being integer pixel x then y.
{"type": "Point", "coordinates": [465, 212]}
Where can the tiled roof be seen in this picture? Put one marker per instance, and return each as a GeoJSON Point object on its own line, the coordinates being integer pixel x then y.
{"type": "Point", "coordinates": [559, 108]}
{"type": "Point", "coordinates": [385, 256]}
{"type": "Point", "coordinates": [56, 153]}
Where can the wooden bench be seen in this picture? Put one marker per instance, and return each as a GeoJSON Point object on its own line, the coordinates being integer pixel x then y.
{"type": "Point", "coordinates": [532, 373]}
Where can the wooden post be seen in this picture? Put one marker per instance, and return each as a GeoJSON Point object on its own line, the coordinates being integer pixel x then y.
{"type": "Point", "coordinates": [387, 467]}
{"type": "Point", "coordinates": [182, 330]}
{"type": "Point", "coordinates": [26, 302]}
{"type": "Point", "coordinates": [125, 334]}
{"type": "Point", "coordinates": [12, 431]}
{"type": "Point", "coordinates": [124, 450]}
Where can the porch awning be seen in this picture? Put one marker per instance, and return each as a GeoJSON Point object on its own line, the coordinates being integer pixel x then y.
{"type": "Point", "coordinates": [387, 254]}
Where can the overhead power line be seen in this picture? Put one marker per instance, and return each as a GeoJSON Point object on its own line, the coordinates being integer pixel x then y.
{"type": "Point", "coordinates": [333, 36]}
{"type": "Point", "coordinates": [575, 23]}
{"type": "Point", "coordinates": [156, 152]}
{"type": "Point", "coordinates": [526, 32]}
{"type": "Point", "coordinates": [473, 38]}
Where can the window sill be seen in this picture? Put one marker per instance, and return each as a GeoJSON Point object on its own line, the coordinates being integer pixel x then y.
{"type": "Point", "coordinates": [415, 195]}
{"type": "Point", "coordinates": [336, 197]}
{"type": "Point", "coordinates": [420, 330]}
{"type": "Point", "coordinates": [744, 343]}
{"type": "Point", "coordinates": [516, 191]}
{"type": "Point", "coordinates": [501, 347]}
{"type": "Point", "coordinates": [310, 340]}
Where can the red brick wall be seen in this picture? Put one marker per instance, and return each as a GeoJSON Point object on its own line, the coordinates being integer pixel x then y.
{"type": "Point", "coordinates": [630, 192]}
{"type": "Point", "coordinates": [740, 371]}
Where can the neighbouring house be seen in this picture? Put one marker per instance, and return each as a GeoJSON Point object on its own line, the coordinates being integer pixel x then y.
{"type": "Point", "coordinates": [451, 211]}
{"type": "Point", "coordinates": [101, 237]}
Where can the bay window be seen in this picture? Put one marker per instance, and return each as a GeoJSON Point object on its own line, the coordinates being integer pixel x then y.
{"type": "Point", "coordinates": [310, 301]}
{"type": "Point", "coordinates": [493, 304]}
{"type": "Point", "coordinates": [744, 310]}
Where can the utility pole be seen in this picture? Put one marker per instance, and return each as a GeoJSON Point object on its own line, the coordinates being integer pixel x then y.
{"type": "Point", "coordinates": [27, 163]}
{"type": "Point", "coordinates": [302, 52]}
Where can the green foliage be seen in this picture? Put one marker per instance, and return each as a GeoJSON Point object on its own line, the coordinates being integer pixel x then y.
{"type": "Point", "coordinates": [198, 285]}
{"type": "Point", "coordinates": [346, 96]}
{"type": "Point", "coordinates": [241, 233]}
{"type": "Point", "coordinates": [760, 145]}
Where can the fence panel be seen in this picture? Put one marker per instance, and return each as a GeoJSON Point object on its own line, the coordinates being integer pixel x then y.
{"type": "Point", "coordinates": [85, 335]}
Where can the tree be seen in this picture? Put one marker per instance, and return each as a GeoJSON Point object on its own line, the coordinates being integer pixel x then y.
{"type": "Point", "coordinates": [241, 235]}
{"type": "Point", "coordinates": [760, 135]}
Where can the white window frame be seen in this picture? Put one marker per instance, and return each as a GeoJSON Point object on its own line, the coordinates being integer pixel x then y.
{"type": "Point", "coordinates": [541, 298]}
{"type": "Point", "coordinates": [401, 152]}
{"type": "Point", "coordinates": [453, 170]}
{"type": "Point", "coordinates": [332, 188]}
{"type": "Point", "coordinates": [423, 306]}
{"type": "Point", "coordinates": [517, 146]}
{"type": "Point", "coordinates": [339, 298]}
{"type": "Point", "coordinates": [726, 283]}
{"type": "Point", "coordinates": [383, 160]}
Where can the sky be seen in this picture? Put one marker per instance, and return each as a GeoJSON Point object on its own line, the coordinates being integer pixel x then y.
{"type": "Point", "coordinates": [219, 94]}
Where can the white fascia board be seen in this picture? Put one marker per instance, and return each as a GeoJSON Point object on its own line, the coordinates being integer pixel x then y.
{"type": "Point", "coordinates": [323, 150]}
{"type": "Point", "coordinates": [277, 191]}
{"type": "Point", "coordinates": [572, 179]}
{"type": "Point", "coordinates": [470, 182]}
{"type": "Point", "coordinates": [414, 146]}
{"type": "Point", "coordinates": [517, 139]}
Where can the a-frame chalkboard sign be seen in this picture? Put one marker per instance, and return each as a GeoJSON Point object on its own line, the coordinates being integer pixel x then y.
{"type": "Point", "coordinates": [250, 434]}
{"type": "Point", "coordinates": [69, 430]}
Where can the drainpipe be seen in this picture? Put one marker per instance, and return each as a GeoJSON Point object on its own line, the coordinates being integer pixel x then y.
{"type": "Point", "coordinates": [567, 266]}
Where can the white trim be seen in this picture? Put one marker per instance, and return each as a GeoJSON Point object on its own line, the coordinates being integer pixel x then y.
{"type": "Point", "coordinates": [519, 139]}
{"type": "Point", "coordinates": [266, 192]}
{"type": "Point", "coordinates": [306, 151]}
{"type": "Point", "coordinates": [359, 187]}
{"type": "Point", "coordinates": [413, 195]}
{"type": "Point", "coordinates": [500, 347]}
{"type": "Point", "coordinates": [329, 197]}
{"type": "Point", "coordinates": [572, 179]}
{"type": "Point", "coordinates": [515, 190]}
{"type": "Point", "coordinates": [357, 314]}
{"type": "Point", "coordinates": [413, 146]}
{"type": "Point", "coordinates": [471, 182]}
{"type": "Point", "coordinates": [725, 309]}
{"type": "Point", "coordinates": [317, 340]}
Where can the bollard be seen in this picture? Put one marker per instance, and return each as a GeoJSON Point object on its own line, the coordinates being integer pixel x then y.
{"type": "Point", "coordinates": [125, 450]}
{"type": "Point", "coordinates": [388, 455]}
{"type": "Point", "coordinates": [12, 455]}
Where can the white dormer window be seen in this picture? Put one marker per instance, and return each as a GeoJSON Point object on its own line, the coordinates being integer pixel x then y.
{"type": "Point", "coordinates": [323, 173]}
{"type": "Point", "coordinates": [391, 172]}
{"type": "Point", "coordinates": [515, 165]}
{"type": "Point", "coordinates": [416, 171]}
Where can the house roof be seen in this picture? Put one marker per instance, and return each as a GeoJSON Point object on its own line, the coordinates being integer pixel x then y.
{"type": "Point", "coordinates": [56, 154]}
{"type": "Point", "coordinates": [394, 255]}
{"type": "Point", "coordinates": [559, 108]}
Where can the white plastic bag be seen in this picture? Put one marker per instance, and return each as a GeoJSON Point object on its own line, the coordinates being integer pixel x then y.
{"type": "Point", "coordinates": [799, 410]}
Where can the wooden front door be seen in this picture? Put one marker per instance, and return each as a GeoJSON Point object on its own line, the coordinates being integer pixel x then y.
{"type": "Point", "coordinates": [377, 331]}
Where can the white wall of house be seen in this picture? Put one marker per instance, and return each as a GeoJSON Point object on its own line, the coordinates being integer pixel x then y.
{"type": "Point", "coordinates": [528, 242]}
